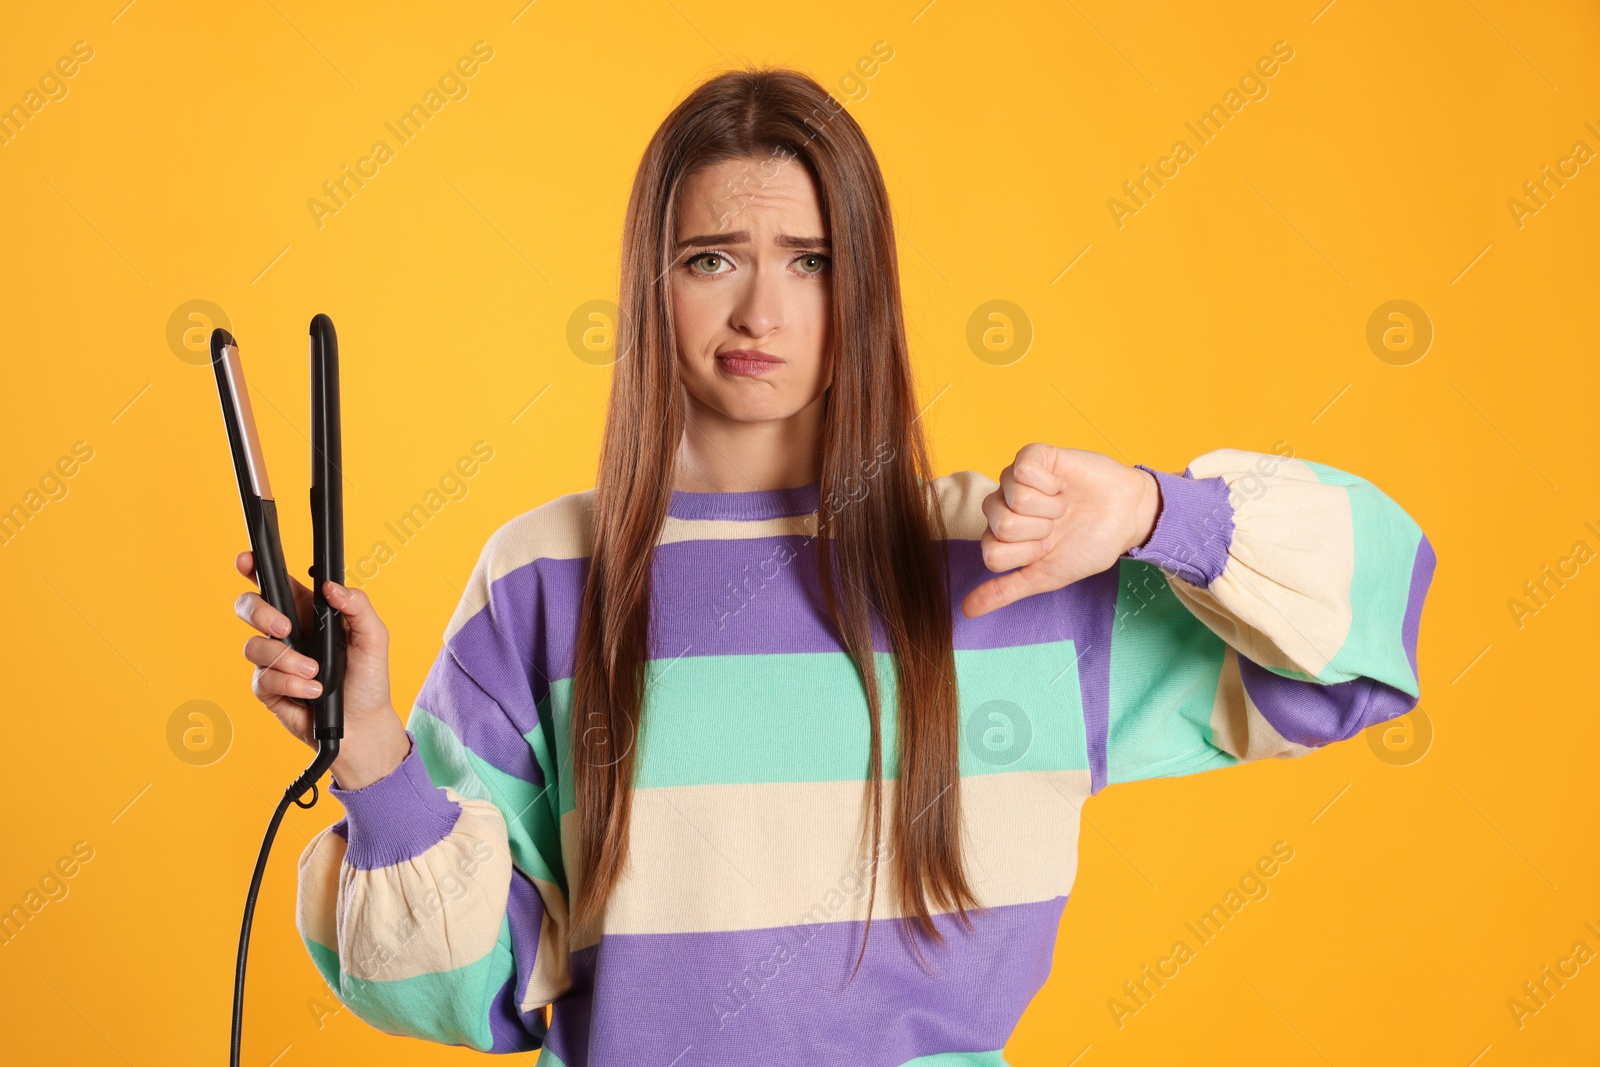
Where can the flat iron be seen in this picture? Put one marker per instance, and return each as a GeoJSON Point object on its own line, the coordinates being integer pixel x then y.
{"type": "Point", "coordinates": [326, 641]}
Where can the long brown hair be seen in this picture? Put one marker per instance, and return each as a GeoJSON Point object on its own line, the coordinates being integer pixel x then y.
{"type": "Point", "coordinates": [884, 543]}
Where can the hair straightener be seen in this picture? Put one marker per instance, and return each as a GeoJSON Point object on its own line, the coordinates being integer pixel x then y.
{"type": "Point", "coordinates": [326, 642]}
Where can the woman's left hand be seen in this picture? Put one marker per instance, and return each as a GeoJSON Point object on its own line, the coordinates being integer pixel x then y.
{"type": "Point", "coordinates": [1060, 514]}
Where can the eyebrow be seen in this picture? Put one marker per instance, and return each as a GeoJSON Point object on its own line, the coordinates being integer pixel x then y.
{"type": "Point", "coordinates": [739, 237]}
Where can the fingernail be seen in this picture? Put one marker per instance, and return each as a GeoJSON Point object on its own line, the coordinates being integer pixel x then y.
{"type": "Point", "coordinates": [314, 688]}
{"type": "Point", "coordinates": [281, 627]}
{"type": "Point", "coordinates": [307, 668]}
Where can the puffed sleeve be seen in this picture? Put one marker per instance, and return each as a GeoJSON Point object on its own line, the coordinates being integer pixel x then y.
{"type": "Point", "coordinates": [436, 908]}
{"type": "Point", "coordinates": [1273, 610]}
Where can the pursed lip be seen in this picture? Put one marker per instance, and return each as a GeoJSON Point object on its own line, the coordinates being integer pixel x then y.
{"type": "Point", "coordinates": [749, 353]}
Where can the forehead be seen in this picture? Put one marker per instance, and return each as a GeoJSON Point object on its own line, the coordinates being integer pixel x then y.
{"type": "Point", "coordinates": [766, 193]}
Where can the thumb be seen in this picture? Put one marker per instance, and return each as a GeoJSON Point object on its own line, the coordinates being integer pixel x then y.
{"type": "Point", "coordinates": [1006, 589]}
{"type": "Point", "coordinates": [366, 629]}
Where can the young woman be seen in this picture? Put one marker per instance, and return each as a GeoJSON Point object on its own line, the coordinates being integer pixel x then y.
{"type": "Point", "coordinates": [691, 731]}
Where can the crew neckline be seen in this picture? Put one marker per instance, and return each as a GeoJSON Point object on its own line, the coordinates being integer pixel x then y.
{"type": "Point", "coordinates": [746, 506]}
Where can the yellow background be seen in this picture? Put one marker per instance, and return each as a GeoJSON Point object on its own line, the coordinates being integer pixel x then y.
{"type": "Point", "coordinates": [1230, 311]}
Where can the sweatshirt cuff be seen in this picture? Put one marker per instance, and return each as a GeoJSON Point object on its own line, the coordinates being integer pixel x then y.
{"type": "Point", "coordinates": [396, 818]}
{"type": "Point", "coordinates": [1193, 530]}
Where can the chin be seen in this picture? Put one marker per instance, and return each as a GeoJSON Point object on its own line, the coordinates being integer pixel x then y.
{"type": "Point", "coordinates": [760, 412]}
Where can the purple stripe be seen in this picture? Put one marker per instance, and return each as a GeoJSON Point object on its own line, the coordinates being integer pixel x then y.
{"type": "Point", "coordinates": [1193, 529]}
{"type": "Point", "coordinates": [710, 605]}
{"type": "Point", "coordinates": [523, 638]}
{"type": "Point", "coordinates": [1422, 569]}
{"type": "Point", "coordinates": [511, 1030]}
{"type": "Point", "coordinates": [450, 694]}
{"type": "Point", "coordinates": [503, 645]}
{"type": "Point", "coordinates": [779, 996]}
{"type": "Point", "coordinates": [396, 818]}
{"type": "Point", "coordinates": [746, 506]}
{"type": "Point", "coordinates": [525, 911]}
{"type": "Point", "coordinates": [1305, 712]}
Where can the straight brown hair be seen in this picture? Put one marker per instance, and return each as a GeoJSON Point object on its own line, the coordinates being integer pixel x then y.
{"type": "Point", "coordinates": [879, 542]}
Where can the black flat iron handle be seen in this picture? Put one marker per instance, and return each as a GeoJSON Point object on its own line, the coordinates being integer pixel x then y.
{"type": "Point", "coordinates": [272, 574]}
{"type": "Point", "coordinates": [327, 528]}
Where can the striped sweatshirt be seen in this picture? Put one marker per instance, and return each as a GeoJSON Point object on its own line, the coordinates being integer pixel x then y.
{"type": "Point", "coordinates": [1273, 610]}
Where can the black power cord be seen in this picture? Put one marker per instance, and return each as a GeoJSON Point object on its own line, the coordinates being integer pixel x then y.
{"type": "Point", "coordinates": [326, 754]}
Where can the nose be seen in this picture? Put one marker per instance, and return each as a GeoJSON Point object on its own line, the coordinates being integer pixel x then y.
{"type": "Point", "coordinates": [759, 309]}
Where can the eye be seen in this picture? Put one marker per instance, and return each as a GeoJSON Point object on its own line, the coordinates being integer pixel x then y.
{"type": "Point", "coordinates": [717, 257]}
{"type": "Point", "coordinates": [823, 262]}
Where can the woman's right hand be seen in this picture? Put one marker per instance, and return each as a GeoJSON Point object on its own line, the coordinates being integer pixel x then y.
{"type": "Point", "coordinates": [285, 681]}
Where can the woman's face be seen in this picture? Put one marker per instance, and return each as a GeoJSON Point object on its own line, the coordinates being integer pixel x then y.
{"type": "Point", "coordinates": [752, 275]}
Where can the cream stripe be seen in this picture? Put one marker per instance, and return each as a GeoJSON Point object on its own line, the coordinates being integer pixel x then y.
{"type": "Point", "coordinates": [961, 498]}
{"type": "Point", "coordinates": [317, 899]}
{"type": "Point", "coordinates": [1283, 600]}
{"type": "Point", "coordinates": [1237, 725]}
{"type": "Point", "coordinates": [751, 856]}
{"type": "Point", "coordinates": [675, 529]}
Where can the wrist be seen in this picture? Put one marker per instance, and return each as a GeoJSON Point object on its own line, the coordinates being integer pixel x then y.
{"type": "Point", "coordinates": [371, 753]}
{"type": "Point", "coordinates": [1147, 511]}
{"type": "Point", "coordinates": [1194, 528]}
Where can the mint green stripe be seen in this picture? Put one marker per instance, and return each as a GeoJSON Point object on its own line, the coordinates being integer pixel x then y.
{"type": "Point", "coordinates": [451, 1007]}
{"type": "Point", "coordinates": [530, 821]}
{"type": "Point", "coordinates": [326, 959]}
{"type": "Point", "coordinates": [802, 717]}
{"type": "Point", "coordinates": [1386, 541]}
{"type": "Point", "coordinates": [960, 1059]}
{"type": "Point", "coordinates": [1165, 668]}
{"type": "Point", "coordinates": [1021, 709]}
